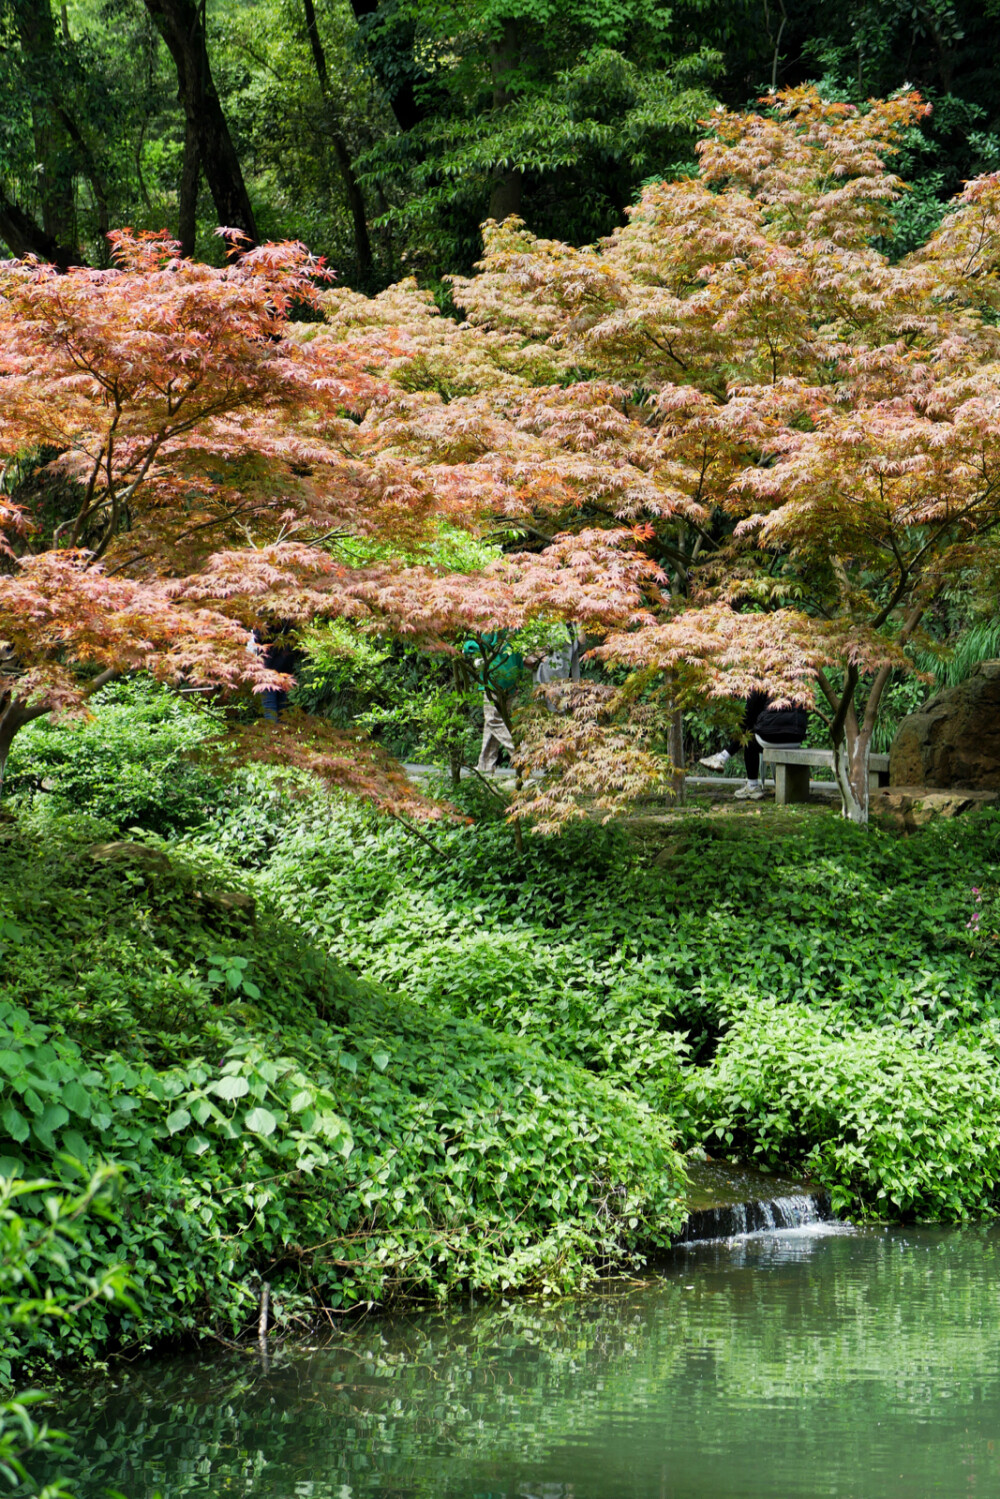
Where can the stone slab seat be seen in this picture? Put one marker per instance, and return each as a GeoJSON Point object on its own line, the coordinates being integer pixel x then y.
{"type": "Point", "coordinates": [792, 764]}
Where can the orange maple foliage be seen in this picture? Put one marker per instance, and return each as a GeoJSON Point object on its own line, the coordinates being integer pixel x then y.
{"type": "Point", "coordinates": [735, 438]}
{"type": "Point", "coordinates": [207, 454]}
{"type": "Point", "coordinates": [207, 458]}
{"type": "Point", "coordinates": [586, 750]}
{"type": "Point", "coordinates": [806, 429]}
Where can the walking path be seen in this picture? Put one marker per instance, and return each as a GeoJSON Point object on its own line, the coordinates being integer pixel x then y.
{"type": "Point", "coordinates": [716, 788]}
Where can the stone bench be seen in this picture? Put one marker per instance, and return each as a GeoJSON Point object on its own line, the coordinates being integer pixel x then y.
{"type": "Point", "coordinates": [792, 764]}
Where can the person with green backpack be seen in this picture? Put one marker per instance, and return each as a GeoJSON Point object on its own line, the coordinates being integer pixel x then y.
{"type": "Point", "coordinates": [498, 667]}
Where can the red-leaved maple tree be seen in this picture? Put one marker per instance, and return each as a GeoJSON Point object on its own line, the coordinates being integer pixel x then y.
{"type": "Point", "coordinates": [800, 431]}
{"type": "Point", "coordinates": [196, 459]}
{"type": "Point", "coordinates": [737, 440]}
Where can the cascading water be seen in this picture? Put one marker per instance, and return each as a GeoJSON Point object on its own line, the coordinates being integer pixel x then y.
{"type": "Point", "coordinates": [733, 1220]}
{"type": "Point", "coordinates": [729, 1202]}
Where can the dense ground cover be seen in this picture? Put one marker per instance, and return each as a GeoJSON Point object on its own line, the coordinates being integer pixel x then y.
{"type": "Point", "coordinates": [359, 1063]}
{"type": "Point", "coordinates": [800, 992]}
{"type": "Point", "coordinates": [273, 1117]}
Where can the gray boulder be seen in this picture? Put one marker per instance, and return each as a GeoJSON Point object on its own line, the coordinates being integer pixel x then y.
{"type": "Point", "coordinates": [954, 739]}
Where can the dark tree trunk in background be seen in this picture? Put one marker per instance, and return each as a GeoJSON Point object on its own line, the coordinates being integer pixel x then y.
{"type": "Point", "coordinates": [55, 238]}
{"type": "Point", "coordinates": [389, 44]}
{"type": "Point", "coordinates": [181, 23]}
{"type": "Point", "coordinates": [90, 168]}
{"type": "Point", "coordinates": [187, 217]}
{"type": "Point", "coordinates": [23, 236]}
{"type": "Point", "coordinates": [352, 188]}
{"type": "Point", "coordinates": [355, 202]}
{"type": "Point", "coordinates": [505, 189]}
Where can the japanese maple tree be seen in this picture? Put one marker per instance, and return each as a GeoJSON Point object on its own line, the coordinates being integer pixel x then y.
{"type": "Point", "coordinates": [855, 438]}
{"type": "Point", "coordinates": [800, 431]}
{"type": "Point", "coordinates": [197, 461]}
{"type": "Point", "coordinates": [736, 439]}
{"type": "Point", "coordinates": [199, 464]}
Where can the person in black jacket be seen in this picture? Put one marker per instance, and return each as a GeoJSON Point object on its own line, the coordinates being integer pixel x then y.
{"type": "Point", "coordinates": [278, 654]}
{"type": "Point", "coordinates": [762, 725]}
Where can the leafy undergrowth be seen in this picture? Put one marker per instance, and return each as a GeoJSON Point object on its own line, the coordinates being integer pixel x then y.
{"type": "Point", "coordinates": [815, 995]}
{"type": "Point", "coordinates": [818, 997]}
{"type": "Point", "coordinates": [274, 1118]}
{"type": "Point", "coordinates": [897, 1122]}
{"type": "Point", "coordinates": [131, 762]}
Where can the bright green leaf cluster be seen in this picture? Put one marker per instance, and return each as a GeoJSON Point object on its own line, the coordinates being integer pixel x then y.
{"type": "Point", "coordinates": [352, 1146]}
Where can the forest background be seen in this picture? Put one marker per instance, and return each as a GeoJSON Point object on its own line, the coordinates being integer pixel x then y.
{"type": "Point", "coordinates": [383, 132]}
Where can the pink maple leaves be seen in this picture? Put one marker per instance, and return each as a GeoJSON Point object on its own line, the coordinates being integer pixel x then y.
{"type": "Point", "coordinates": [734, 438]}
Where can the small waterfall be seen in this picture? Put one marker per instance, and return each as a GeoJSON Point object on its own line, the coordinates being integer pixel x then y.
{"type": "Point", "coordinates": [794, 1212]}
{"type": "Point", "coordinates": [737, 1219]}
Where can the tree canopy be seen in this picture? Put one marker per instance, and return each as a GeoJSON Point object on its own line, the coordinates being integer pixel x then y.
{"type": "Point", "coordinates": [735, 438]}
{"type": "Point", "coordinates": [383, 132]}
{"type": "Point", "coordinates": [193, 461]}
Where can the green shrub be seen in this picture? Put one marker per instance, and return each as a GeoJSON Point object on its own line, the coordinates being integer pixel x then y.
{"type": "Point", "coordinates": [612, 959]}
{"type": "Point", "coordinates": [894, 1123]}
{"type": "Point", "coordinates": [273, 1117]}
{"type": "Point", "coordinates": [634, 966]}
{"type": "Point", "coordinates": [254, 808]}
{"type": "Point", "coordinates": [793, 988]}
{"type": "Point", "coordinates": [40, 1233]}
{"type": "Point", "coordinates": [129, 764]}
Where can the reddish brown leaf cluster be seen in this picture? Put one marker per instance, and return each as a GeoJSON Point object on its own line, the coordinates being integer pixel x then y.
{"type": "Point", "coordinates": [583, 753]}
{"type": "Point", "coordinates": [809, 429]}
{"type": "Point", "coordinates": [735, 439]}
{"type": "Point", "coordinates": [346, 762]}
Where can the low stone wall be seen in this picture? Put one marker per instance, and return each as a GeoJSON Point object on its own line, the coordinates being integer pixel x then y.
{"type": "Point", "coordinates": [911, 807]}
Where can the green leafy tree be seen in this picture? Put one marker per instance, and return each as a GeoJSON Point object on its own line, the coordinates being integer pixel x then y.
{"type": "Point", "coordinates": [556, 112]}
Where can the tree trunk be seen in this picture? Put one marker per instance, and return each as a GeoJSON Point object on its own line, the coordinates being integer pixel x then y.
{"type": "Point", "coordinates": [55, 240]}
{"type": "Point", "coordinates": [389, 43]}
{"type": "Point", "coordinates": [352, 188]}
{"type": "Point", "coordinates": [851, 754]}
{"type": "Point", "coordinates": [505, 196]}
{"type": "Point", "coordinates": [506, 186]}
{"type": "Point", "coordinates": [455, 764]}
{"type": "Point", "coordinates": [181, 23]}
{"type": "Point", "coordinates": [187, 218]}
{"type": "Point", "coordinates": [851, 743]}
{"type": "Point", "coordinates": [355, 202]}
{"type": "Point", "coordinates": [5, 742]}
{"type": "Point", "coordinates": [13, 717]}
{"type": "Point", "coordinates": [456, 748]}
{"type": "Point", "coordinates": [23, 236]}
{"type": "Point", "coordinates": [675, 743]}
{"type": "Point", "coordinates": [88, 162]}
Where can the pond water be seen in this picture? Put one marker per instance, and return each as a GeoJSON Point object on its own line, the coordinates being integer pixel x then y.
{"type": "Point", "coordinates": [819, 1361]}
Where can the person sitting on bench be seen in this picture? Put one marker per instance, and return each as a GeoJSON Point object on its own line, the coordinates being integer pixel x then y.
{"type": "Point", "coordinates": [762, 726]}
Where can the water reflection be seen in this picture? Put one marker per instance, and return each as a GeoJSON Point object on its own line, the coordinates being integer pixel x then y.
{"type": "Point", "coordinates": [800, 1364]}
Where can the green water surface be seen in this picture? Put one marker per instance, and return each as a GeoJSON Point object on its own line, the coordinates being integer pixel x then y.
{"type": "Point", "coordinates": [862, 1364]}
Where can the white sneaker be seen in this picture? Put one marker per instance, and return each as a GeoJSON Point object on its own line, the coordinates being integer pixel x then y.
{"type": "Point", "coordinates": [715, 762]}
{"type": "Point", "coordinates": [751, 791]}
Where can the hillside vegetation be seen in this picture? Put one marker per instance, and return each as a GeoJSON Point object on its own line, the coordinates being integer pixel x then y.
{"type": "Point", "coordinates": [362, 1065]}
